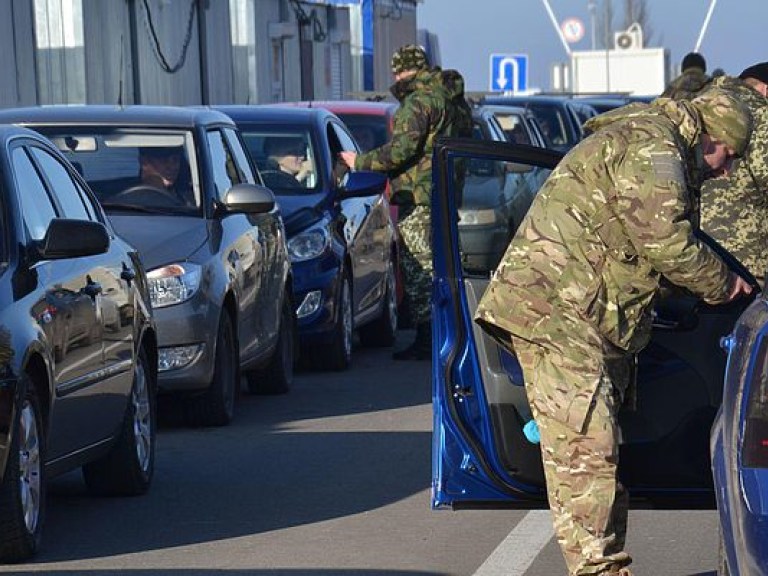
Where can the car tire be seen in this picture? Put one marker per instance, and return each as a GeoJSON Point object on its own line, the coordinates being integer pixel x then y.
{"type": "Point", "coordinates": [23, 490]}
{"type": "Point", "coordinates": [382, 331]}
{"type": "Point", "coordinates": [216, 406]}
{"type": "Point", "coordinates": [128, 468]}
{"type": "Point", "coordinates": [337, 354]}
{"type": "Point", "coordinates": [277, 376]}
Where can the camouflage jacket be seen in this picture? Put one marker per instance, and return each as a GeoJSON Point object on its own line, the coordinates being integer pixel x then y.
{"type": "Point", "coordinates": [611, 219]}
{"type": "Point", "coordinates": [687, 85]}
{"type": "Point", "coordinates": [734, 208]}
{"type": "Point", "coordinates": [432, 104]}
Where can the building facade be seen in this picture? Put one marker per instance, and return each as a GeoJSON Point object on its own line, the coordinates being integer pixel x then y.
{"type": "Point", "coordinates": [187, 52]}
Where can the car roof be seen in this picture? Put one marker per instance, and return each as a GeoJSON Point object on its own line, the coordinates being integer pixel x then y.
{"type": "Point", "coordinates": [274, 114]}
{"type": "Point", "coordinates": [101, 115]}
{"type": "Point", "coordinates": [347, 106]}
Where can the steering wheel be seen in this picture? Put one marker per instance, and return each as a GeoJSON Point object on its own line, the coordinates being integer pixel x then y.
{"type": "Point", "coordinates": [151, 195]}
{"type": "Point", "coordinates": [279, 179]}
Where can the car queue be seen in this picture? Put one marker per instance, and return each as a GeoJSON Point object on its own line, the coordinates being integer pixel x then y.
{"type": "Point", "coordinates": [183, 312]}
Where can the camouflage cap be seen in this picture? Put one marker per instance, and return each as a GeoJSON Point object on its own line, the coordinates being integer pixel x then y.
{"type": "Point", "coordinates": [725, 118]}
{"type": "Point", "coordinates": [409, 57]}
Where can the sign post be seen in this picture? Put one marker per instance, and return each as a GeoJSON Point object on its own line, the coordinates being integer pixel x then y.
{"type": "Point", "coordinates": [509, 73]}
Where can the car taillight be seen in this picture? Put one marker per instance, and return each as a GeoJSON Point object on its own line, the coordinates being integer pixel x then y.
{"type": "Point", "coordinates": [755, 445]}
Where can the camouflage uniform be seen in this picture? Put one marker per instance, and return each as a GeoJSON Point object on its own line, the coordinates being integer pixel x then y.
{"type": "Point", "coordinates": [734, 208]}
{"type": "Point", "coordinates": [687, 85]}
{"type": "Point", "coordinates": [573, 293]}
{"type": "Point", "coordinates": [431, 105]}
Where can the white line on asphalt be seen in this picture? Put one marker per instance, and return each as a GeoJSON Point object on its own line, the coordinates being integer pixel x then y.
{"type": "Point", "coordinates": [521, 546]}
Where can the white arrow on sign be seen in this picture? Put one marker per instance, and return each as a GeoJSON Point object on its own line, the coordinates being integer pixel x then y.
{"type": "Point", "coordinates": [501, 79]}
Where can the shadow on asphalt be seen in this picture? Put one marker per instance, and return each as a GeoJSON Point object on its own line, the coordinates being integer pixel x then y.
{"type": "Point", "coordinates": [255, 572]}
{"type": "Point", "coordinates": [268, 471]}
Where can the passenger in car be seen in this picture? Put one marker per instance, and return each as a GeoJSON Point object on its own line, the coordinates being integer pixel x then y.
{"type": "Point", "coordinates": [160, 167]}
{"type": "Point", "coordinates": [288, 155]}
{"type": "Point", "coordinates": [574, 293]}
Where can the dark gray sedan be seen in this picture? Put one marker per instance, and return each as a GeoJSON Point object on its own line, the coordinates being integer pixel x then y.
{"type": "Point", "coordinates": [179, 185]}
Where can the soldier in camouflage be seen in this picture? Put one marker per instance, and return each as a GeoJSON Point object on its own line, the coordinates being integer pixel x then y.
{"type": "Point", "coordinates": [573, 295]}
{"type": "Point", "coordinates": [692, 79]}
{"type": "Point", "coordinates": [734, 208]}
{"type": "Point", "coordinates": [432, 105]}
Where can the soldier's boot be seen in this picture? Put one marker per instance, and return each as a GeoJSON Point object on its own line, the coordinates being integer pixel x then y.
{"type": "Point", "coordinates": [421, 349]}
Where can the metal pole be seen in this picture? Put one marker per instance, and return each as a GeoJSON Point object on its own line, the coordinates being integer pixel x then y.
{"type": "Point", "coordinates": [705, 25]}
{"type": "Point", "coordinates": [592, 7]}
{"type": "Point", "coordinates": [607, 46]}
{"type": "Point", "coordinates": [557, 27]}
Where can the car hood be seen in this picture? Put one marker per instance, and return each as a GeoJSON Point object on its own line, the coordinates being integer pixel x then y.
{"type": "Point", "coordinates": [161, 240]}
{"type": "Point", "coordinates": [300, 211]}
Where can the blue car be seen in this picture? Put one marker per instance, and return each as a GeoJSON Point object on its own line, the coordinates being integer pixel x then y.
{"type": "Point", "coordinates": [740, 447]}
{"type": "Point", "coordinates": [341, 239]}
{"type": "Point", "coordinates": [481, 455]}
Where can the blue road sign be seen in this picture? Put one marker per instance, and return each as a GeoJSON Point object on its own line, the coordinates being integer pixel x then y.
{"type": "Point", "coordinates": [509, 72]}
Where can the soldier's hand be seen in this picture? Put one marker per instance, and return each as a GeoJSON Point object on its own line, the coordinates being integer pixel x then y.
{"type": "Point", "coordinates": [737, 286]}
{"type": "Point", "coordinates": [348, 158]}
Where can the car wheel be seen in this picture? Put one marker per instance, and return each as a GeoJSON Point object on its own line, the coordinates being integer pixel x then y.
{"type": "Point", "coordinates": [128, 468]}
{"type": "Point", "coordinates": [338, 354]}
{"type": "Point", "coordinates": [277, 376]}
{"type": "Point", "coordinates": [382, 331]}
{"type": "Point", "coordinates": [216, 406]}
{"type": "Point", "coordinates": [22, 491]}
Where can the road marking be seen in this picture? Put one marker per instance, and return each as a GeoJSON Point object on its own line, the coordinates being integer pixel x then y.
{"type": "Point", "coordinates": [521, 546]}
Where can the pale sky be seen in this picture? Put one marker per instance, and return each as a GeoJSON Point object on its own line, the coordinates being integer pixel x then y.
{"type": "Point", "coordinates": [471, 30]}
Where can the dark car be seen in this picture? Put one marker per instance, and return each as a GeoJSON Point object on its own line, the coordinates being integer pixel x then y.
{"type": "Point", "coordinates": [560, 117]}
{"type": "Point", "coordinates": [739, 447]}
{"type": "Point", "coordinates": [178, 184]}
{"type": "Point", "coordinates": [495, 196]}
{"type": "Point", "coordinates": [481, 455]}
{"type": "Point", "coordinates": [519, 124]}
{"type": "Point", "coordinates": [77, 387]}
{"type": "Point", "coordinates": [341, 239]}
{"type": "Point", "coordinates": [607, 102]}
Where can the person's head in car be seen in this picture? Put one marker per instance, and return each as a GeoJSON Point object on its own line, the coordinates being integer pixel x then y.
{"type": "Point", "coordinates": [160, 165]}
{"type": "Point", "coordinates": [289, 154]}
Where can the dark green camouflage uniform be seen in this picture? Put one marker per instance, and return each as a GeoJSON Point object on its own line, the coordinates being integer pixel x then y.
{"type": "Point", "coordinates": [734, 208]}
{"type": "Point", "coordinates": [431, 105]}
{"type": "Point", "coordinates": [687, 85]}
{"type": "Point", "coordinates": [573, 294]}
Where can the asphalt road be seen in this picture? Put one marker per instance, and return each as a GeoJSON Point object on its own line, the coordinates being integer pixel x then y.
{"type": "Point", "coordinates": [330, 479]}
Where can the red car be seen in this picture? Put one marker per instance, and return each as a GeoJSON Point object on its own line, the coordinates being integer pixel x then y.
{"type": "Point", "coordinates": [371, 125]}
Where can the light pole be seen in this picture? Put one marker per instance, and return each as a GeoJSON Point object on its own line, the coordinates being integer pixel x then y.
{"type": "Point", "coordinates": [592, 7]}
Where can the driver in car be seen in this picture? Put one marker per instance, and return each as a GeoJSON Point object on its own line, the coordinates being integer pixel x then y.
{"type": "Point", "coordinates": [288, 155]}
{"type": "Point", "coordinates": [160, 168]}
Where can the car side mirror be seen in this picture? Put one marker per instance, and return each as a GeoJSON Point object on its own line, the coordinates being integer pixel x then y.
{"type": "Point", "coordinates": [249, 199]}
{"type": "Point", "coordinates": [66, 238]}
{"type": "Point", "coordinates": [361, 184]}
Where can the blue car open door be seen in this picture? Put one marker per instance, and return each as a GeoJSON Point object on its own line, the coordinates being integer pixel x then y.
{"type": "Point", "coordinates": [481, 455]}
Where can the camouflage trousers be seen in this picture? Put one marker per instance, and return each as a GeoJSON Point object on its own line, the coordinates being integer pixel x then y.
{"type": "Point", "coordinates": [588, 503]}
{"type": "Point", "coordinates": [415, 228]}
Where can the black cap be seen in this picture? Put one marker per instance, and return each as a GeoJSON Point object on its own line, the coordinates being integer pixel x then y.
{"type": "Point", "coordinates": [694, 60]}
{"type": "Point", "coordinates": [757, 71]}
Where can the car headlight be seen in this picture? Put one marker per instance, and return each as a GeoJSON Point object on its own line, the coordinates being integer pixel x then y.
{"type": "Point", "coordinates": [478, 217]}
{"type": "Point", "coordinates": [309, 244]}
{"type": "Point", "coordinates": [173, 284]}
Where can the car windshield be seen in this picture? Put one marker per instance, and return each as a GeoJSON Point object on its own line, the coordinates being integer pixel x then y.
{"type": "Point", "coordinates": [135, 170]}
{"type": "Point", "coordinates": [286, 159]}
{"type": "Point", "coordinates": [370, 131]}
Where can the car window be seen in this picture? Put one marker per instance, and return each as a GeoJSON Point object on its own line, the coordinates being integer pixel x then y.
{"type": "Point", "coordinates": [240, 156]}
{"type": "Point", "coordinates": [133, 168]}
{"type": "Point", "coordinates": [286, 158]}
{"type": "Point", "coordinates": [513, 127]}
{"type": "Point", "coordinates": [71, 198]}
{"type": "Point", "coordinates": [553, 123]}
{"type": "Point", "coordinates": [37, 207]}
{"type": "Point", "coordinates": [224, 167]}
{"type": "Point", "coordinates": [370, 131]}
